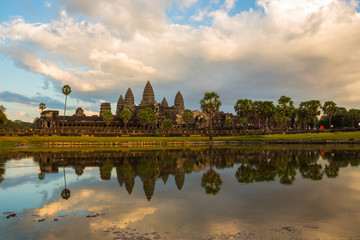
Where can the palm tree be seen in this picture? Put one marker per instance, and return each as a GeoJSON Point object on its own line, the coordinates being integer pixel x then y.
{"type": "Point", "coordinates": [125, 115]}
{"type": "Point", "coordinates": [268, 111]}
{"type": "Point", "coordinates": [66, 90]}
{"type": "Point", "coordinates": [3, 118]}
{"type": "Point", "coordinates": [243, 108]}
{"type": "Point", "coordinates": [329, 109]}
{"type": "Point", "coordinates": [42, 106]}
{"type": "Point", "coordinates": [285, 110]}
{"type": "Point", "coordinates": [108, 117]}
{"type": "Point", "coordinates": [210, 105]}
{"type": "Point", "coordinates": [65, 193]}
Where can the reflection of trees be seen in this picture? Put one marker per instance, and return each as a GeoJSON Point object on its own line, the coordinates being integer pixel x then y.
{"type": "Point", "coordinates": [65, 193]}
{"type": "Point", "coordinates": [310, 169]}
{"type": "Point", "coordinates": [331, 170]}
{"type": "Point", "coordinates": [2, 172]}
{"type": "Point", "coordinates": [105, 170]}
{"type": "Point", "coordinates": [211, 180]}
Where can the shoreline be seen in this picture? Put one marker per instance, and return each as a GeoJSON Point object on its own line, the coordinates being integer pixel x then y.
{"type": "Point", "coordinates": [8, 143]}
{"type": "Point", "coordinates": [199, 143]}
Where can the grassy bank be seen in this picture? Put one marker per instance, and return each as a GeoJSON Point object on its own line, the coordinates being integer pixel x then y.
{"type": "Point", "coordinates": [37, 141]}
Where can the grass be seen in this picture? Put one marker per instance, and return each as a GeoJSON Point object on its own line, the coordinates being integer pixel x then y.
{"type": "Point", "coordinates": [37, 141]}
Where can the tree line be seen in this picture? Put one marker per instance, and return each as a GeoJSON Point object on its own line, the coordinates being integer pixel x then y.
{"type": "Point", "coordinates": [285, 115]}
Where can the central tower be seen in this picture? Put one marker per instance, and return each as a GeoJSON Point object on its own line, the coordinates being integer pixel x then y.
{"type": "Point", "coordinates": [148, 96]}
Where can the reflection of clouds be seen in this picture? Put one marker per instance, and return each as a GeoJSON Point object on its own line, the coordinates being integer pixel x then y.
{"type": "Point", "coordinates": [354, 182]}
{"type": "Point", "coordinates": [21, 168]}
{"type": "Point", "coordinates": [123, 219]}
{"type": "Point", "coordinates": [100, 202]}
{"type": "Point", "coordinates": [83, 199]}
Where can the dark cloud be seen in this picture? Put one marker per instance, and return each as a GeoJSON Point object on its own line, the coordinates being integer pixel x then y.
{"type": "Point", "coordinates": [7, 96]}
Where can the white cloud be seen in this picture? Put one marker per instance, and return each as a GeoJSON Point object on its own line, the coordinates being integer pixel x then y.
{"type": "Point", "coordinates": [199, 16]}
{"type": "Point", "coordinates": [229, 4]}
{"type": "Point", "coordinates": [303, 48]}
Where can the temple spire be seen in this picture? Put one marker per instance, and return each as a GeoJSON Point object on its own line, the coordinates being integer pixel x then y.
{"type": "Point", "coordinates": [120, 105]}
{"type": "Point", "coordinates": [129, 100]}
{"type": "Point", "coordinates": [148, 96]}
{"type": "Point", "coordinates": [164, 103]}
{"type": "Point", "coordinates": [179, 103]}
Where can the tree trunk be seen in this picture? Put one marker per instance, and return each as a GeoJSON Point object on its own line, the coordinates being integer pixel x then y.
{"type": "Point", "coordinates": [329, 122]}
{"type": "Point", "coordinates": [64, 113]}
{"type": "Point", "coordinates": [314, 122]}
{"type": "Point", "coordinates": [210, 132]}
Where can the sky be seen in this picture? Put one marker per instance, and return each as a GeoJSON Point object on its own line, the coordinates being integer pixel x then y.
{"type": "Point", "coordinates": [261, 50]}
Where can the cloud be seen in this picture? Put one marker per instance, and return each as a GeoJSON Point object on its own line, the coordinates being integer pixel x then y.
{"type": "Point", "coordinates": [305, 49]}
{"type": "Point", "coordinates": [229, 4]}
{"type": "Point", "coordinates": [21, 114]}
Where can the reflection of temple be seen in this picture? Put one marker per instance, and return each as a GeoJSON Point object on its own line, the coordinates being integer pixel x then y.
{"type": "Point", "coordinates": [251, 165]}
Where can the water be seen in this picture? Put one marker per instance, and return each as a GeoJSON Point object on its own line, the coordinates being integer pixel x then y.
{"type": "Point", "coordinates": [293, 192]}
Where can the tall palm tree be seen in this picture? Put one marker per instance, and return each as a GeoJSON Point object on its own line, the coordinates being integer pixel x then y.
{"type": "Point", "coordinates": [66, 90]}
{"type": "Point", "coordinates": [329, 109]}
{"type": "Point", "coordinates": [210, 105]}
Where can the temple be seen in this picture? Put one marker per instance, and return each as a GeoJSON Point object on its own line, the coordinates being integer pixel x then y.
{"type": "Point", "coordinates": [52, 119]}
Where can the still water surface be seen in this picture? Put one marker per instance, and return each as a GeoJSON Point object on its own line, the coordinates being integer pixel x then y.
{"type": "Point", "coordinates": [297, 192]}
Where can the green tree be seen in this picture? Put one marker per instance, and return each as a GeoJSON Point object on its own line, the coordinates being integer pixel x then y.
{"type": "Point", "coordinates": [187, 116]}
{"type": "Point", "coordinates": [42, 106]}
{"type": "Point", "coordinates": [354, 115]}
{"type": "Point", "coordinates": [257, 110]}
{"type": "Point", "coordinates": [329, 110]}
{"type": "Point", "coordinates": [108, 117]}
{"type": "Point", "coordinates": [285, 110]}
{"type": "Point", "coordinates": [142, 116]}
{"type": "Point", "coordinates": [125, 115]}
{"type": "Point", "coordinates": [243, 108]}
{"type": "Point", "coordinates": [268, 111]}
{"type": "Point", "coordinates": [302, 116]}
{"type": "Point", "coordinates": [66, 90]}
{"type": "Point", "coordinates": [210, 105]}
{"type": "Point", "coordinates": [312, 108]}
{"type": "Point", "coordinates": [152, 119]}
{"type": "Point", "coordinates": [167, 124]}
{"type": "Point", "coordinates": [3, 118]}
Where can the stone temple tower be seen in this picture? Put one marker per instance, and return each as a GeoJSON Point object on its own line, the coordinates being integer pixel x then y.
{"type": "Point", "coordinates": [120, 105]}
{"type": "Point", "coordinates": [104, 107]}
{"type": "Point", "coordinates": [129, 100]}
{"type": "Point", "coordinates": [179, 103]}
{"type": "Point", "coordinates": [164, 103]}
{"type": "Point", "coordinates": [148, 96]}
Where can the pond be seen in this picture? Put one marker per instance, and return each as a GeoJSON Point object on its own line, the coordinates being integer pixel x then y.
{"type": "Point", "coordinates": [263, 192]}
